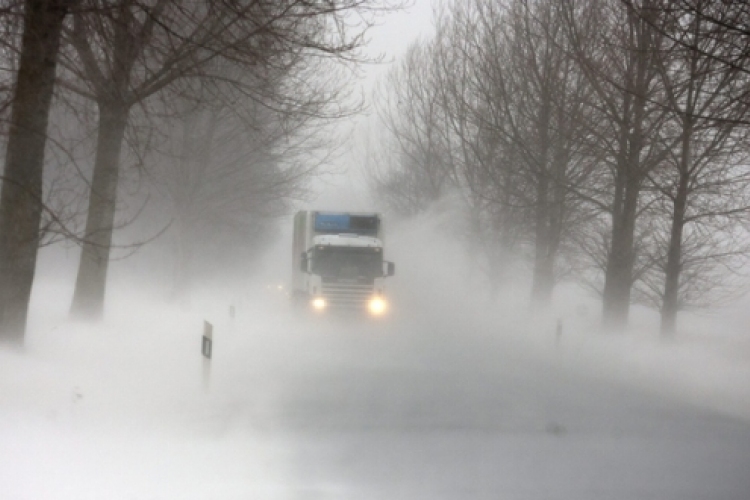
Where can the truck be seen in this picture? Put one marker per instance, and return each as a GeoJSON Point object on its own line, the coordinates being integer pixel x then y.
{"type": "Point", "coordinates": [337, 262]}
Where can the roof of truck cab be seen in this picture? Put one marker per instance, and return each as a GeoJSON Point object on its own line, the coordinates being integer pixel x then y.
{"type": "Point", "coordinates": [347, 240]}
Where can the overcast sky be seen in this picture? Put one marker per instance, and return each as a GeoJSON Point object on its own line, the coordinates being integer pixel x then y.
{"type": "Point", "coordinates": [399, 28]}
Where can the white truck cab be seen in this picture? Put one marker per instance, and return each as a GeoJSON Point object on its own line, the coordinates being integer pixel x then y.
{"type": "Point", "coordinates": [338, 262]}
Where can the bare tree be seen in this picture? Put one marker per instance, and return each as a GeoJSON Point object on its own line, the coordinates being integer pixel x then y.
{"type": "Point", "coordinates": [619, 61]}
{"type": "Point", "coordinates": [11, 31]}
{"type": "Point", "coordinates": [21, 197]}
{"type": "Point", "coordinates": [484, 160]}
{"type": "Point", "coordinates": [620, 144]}
{"type": "Point", "coordinates": [231, 165]}
{"type": "Point", "coordinates": [514, 101]}
{"type": "Point", "coordinates": [603, 132]}
{"type": "Point", "coordinates": [410, 108]}
{"type": "Point", "coordinates": [724, 23]}
{"type": "Point", "coordinates": [140, 48]}
{"type": "Point", "coordinates": [701, 90]}
{"type": "Point", "coordinates": [704, 78]}
{"type": "Point", "coordinates": [542, 95]}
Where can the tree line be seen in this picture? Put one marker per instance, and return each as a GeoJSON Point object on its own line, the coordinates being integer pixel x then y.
{"type": "Point", "coordinates": [216, 105]}
{"type": "Point", "coordinates": [604, 141]}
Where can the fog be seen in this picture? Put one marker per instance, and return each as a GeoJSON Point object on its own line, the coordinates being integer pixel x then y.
{"type": "Point", "coordinates": [453, 395]}
{"type": "Point", "coordinates": [462, 390]}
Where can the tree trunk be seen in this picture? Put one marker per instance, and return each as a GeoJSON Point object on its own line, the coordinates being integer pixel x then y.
{"type": "Point", "coordinates": [619, 272]}
{"type": "Point", "coordinates": [556, 215]}
{"type": "Point", "coordinates": [498, 253]}
{"type": "Point", "coordinates": [543, 279]}
{"type": "Point", "coordinates": [673, 269]}
{"type": "Point", "coordinates": [619, 276]}
{"type": "Point", "coordinates": [21, 196]}
{"type": "Point", "coordinates": [670, 301]}
{"type": "Point", "coordinates": [88, 298]}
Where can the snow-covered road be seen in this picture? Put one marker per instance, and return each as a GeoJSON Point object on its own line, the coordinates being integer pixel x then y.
{"type": "Point", "coordinates": [434, 410]}
{"type": "Point", "coordinates": [426, 405]}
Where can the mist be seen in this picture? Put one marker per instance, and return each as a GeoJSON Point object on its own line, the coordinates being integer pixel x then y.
{"type": "Point", "coordinates": [568, 314]}
{"type": "Point", "coordinates": [455, 392]}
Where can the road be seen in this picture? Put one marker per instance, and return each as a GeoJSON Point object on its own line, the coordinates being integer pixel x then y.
{"type": "Point", "coordinates": [441, 407]}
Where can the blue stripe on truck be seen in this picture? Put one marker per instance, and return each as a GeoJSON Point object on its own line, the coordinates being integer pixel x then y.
{"type": "Point", "coordinates": [332, 222]}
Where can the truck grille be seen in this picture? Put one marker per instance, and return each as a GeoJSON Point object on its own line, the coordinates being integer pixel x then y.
{"type": "Point", "coordinates": [342, 294]}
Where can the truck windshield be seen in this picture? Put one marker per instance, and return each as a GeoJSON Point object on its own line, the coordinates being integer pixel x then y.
{"type": "Point", "coordinates": [347, 262]}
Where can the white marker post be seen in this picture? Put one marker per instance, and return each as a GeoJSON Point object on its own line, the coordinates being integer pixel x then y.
{"type": "Point", "coordinates": [207, 349]}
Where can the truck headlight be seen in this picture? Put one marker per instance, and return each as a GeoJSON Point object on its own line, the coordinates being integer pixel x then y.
{"type": "Point", "coordinates": [377, 306]}
{"type": "Point", "coordinates": [319, 303]}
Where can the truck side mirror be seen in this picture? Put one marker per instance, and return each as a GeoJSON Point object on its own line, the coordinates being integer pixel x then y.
{"type": "Point", "coordinates": [303, 262]}
{"type": "Point", "coordinates": [390, 268]}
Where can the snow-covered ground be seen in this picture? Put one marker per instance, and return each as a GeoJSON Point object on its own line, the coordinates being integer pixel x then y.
{"type": "Point", "coordinates": [451, 397]}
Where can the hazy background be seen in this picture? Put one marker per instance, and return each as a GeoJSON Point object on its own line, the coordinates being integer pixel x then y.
{"type": "Point", "coordinates": [462, 391]}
